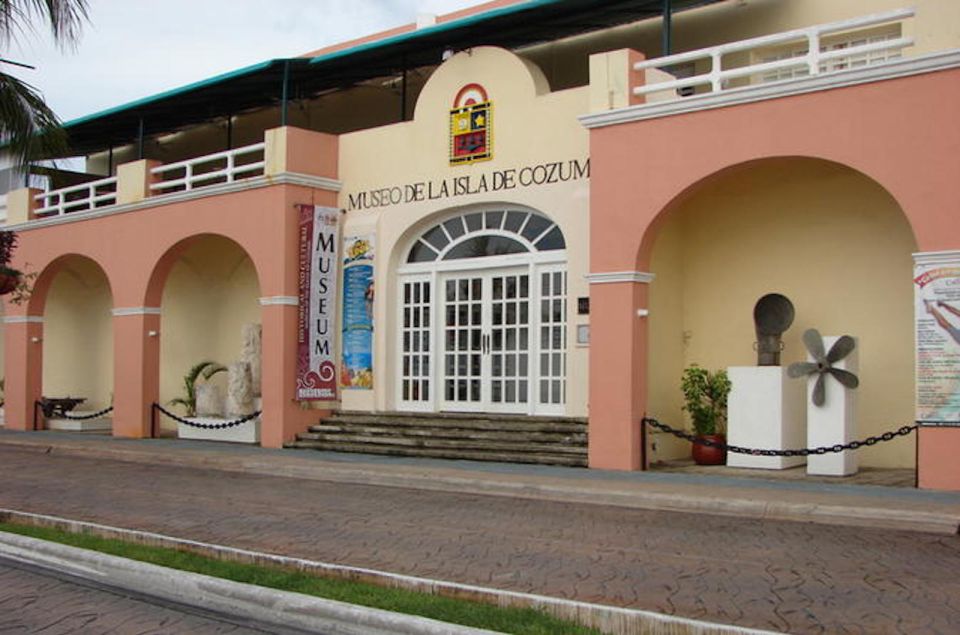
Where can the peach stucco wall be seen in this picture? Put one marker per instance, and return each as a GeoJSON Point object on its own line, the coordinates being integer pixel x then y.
{"type": "Point", "coordinates": [899, 133]}
{"type": "Point", "coordinates": [135, 251]}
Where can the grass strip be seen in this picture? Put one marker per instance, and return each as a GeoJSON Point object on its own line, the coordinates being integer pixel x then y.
{"type": "Point", "coordinates": [463, 612]}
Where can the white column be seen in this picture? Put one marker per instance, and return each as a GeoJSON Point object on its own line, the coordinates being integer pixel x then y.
{"type": "Point", "coordinates": [835, 421]}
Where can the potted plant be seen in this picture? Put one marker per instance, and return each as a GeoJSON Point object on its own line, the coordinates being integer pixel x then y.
{"type": "Point", "coordinates": [705, 398]}
{"type": "Point", "coordinates": [205, 369]}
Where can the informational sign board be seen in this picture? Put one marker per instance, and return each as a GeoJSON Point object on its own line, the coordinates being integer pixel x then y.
{"type": "Point", "coordinates": [356, 368]}
{"type": "Point", "coordinates": [936, 281]}
{"type": "Point", "coordinates": [319, 260]}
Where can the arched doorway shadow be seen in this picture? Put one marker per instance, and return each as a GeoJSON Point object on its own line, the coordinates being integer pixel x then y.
{"type": "Point", "coordinates": [207, 289]}
{"type": "Point", "coordinates": [828, 237]}
{"type": "Point", "coordinates": [73, 294]}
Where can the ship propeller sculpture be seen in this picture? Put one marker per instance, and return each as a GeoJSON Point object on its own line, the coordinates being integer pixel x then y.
{"type": "Point", "coordinates": [823, 363]}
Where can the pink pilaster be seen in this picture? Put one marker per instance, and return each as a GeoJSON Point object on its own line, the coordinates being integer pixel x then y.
{"type": "Point", "coordinates": [617, 382]}
{"type": "Point", "coordinates": [136, 359]}
{"type": "Point", "coordinates": [23, 370]}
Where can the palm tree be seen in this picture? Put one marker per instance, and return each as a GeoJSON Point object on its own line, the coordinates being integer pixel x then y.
{"type": "Point", "coordinates": [28, 127]}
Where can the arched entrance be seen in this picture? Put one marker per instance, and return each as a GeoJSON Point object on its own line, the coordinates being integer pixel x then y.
{"type": "Point", "coordinates": [826, 236]}
{"type": "Point", "coordinates": [482, 315]}
{"type": "Point", "coordinates": [77, 338]}
{"type": "Point", "coordinates": [211, 292]}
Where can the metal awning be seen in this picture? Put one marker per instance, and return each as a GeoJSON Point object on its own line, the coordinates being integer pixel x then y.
{"type": "Point", "coordinates": [261, 85]}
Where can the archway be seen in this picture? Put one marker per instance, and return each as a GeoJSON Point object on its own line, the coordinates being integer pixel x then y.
{"type": "Point", "coordinates": [481, 301]}
{"type": "Point", "coordinates": [831, 239]}
{"type": "Point", "coordinates": [210, 291]}
{"type": "Point", "coordinates": [77, 338]}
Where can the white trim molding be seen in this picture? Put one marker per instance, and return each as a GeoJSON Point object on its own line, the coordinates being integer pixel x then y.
{"type": "Point", "coordinates": [159, 200]}
{"type": "Point", "coordinates": [280, 300]}
{"type": "Point", "coordinates": [893, 69]}
{"type": "Point", "coordinates": [607, 277]}
{"type": "Point", "coordinates": [950, 257]}
{"type": "Point", "coordinates": [135, 310]}
{"type": "Point", "coordinates": [23, 319]}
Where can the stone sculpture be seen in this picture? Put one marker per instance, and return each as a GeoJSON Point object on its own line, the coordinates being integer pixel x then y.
{"type": "Point", "coordinates": [251, 354]}
{"type": "Point", "coordinates": [209, 400]}
{"type": "Point", "coordinates": [772, 315]}
{"type": "Point", "coordinates": [239, 390]}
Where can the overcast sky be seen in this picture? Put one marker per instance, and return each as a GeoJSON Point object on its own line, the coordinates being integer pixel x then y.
{"type": "Point", "coordinates": [136, 48]}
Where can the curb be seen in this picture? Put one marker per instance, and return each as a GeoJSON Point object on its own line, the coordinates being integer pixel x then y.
{"type": "Point", "coordinates": [739, 505]}
{"type": "Point", "coordinates": [263, 606]}
{"type": "Point", "coordinates": [268, 606]}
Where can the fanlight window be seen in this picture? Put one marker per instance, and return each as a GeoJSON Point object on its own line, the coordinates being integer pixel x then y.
{"type": "Point", "coordinates": [485, 234]}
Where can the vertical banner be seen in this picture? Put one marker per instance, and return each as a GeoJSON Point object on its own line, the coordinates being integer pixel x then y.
{"type": "Point", "coordinates": [316, 363]}
{"type": "Point", "coordinates": [357, 364]}
{"type": "Point", "coordinates": [936, 280]}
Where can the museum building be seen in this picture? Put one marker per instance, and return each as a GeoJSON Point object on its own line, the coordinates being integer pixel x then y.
{"type": "Point", "coordinates": [537, 211]}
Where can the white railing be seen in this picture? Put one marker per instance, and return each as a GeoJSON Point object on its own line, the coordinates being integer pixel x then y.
{"type": "Point", "coordinates": [212, 169]}
{"type": "Point", "coordinates": [77, 198]}
{"type": "Point", "coordinates": [811, 61]}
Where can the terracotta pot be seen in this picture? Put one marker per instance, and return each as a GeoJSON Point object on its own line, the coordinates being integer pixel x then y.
{"type": "Point", "coordinates": [705, 455]}
{"type": "Point", "coordinates": [8, 282]}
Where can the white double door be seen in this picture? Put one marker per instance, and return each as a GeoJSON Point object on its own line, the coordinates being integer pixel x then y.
{"type": "Point", "coordinates": [486, 345]}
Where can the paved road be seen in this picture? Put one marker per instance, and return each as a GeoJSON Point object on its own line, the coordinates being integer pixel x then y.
{"type": "Point", "coordinates": [791, 577]}
{"type": "Point", "coordinates": [34, 600]}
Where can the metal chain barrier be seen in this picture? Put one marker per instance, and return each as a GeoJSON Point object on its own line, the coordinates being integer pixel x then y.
{"type": "Point", "coordinates": [94, 415]}
{"type": "Point", "coordinates": [207, 426]}
{"type": "Point", "coordinates": [852, 445]}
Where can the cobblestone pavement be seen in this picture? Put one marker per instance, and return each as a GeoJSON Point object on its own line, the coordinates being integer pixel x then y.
{"type": "Point", "coordinates": [37, 601]}
{"type": "Point", "coordinates": [792, 577]}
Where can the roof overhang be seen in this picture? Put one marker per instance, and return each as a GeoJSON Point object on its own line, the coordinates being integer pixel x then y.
{"type": "Point", "coordinates": [261, 85]}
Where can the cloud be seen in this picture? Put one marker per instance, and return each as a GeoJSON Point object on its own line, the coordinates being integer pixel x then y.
{"type": "Point", "coordinates": [136, 48]}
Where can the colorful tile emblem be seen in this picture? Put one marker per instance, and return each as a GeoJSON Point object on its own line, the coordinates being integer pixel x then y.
{"type": "Point", "coordinates": [471, 126]}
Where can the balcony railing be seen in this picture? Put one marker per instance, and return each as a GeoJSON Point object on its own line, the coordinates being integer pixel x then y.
{"type": "Point", "coordinates": [213, 169]}
{"type": "Point", "coordinates": [812, 59]}
{"type": "Point", "coordinates": [77, 198]}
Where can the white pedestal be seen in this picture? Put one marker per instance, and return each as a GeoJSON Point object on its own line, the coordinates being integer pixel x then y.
{"type": "Point", "coordinates": [247, 432]}
{"type": "Point", "coordinates": [834, 422]}
{"type": "Point", "coordinates": [765, 410]}
{"type": "Point", "coordinates": [100, 424]}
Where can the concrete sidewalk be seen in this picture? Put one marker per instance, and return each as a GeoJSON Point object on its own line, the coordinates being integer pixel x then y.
{"type": "Point", "coordinates": [753, 498]}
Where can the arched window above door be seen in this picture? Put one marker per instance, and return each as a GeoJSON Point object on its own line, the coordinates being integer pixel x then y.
{"type": "Point", "coordinates": [486, 234]}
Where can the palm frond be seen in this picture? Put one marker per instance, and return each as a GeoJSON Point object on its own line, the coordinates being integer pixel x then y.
{"type": "Point", "coordinates": [212, 369]}
{"type": "Point", "coordinates": [180, 401]}
{"type": "Point", "coordinates": [31, 128]}
{"type": "Point", "coordinates": [65, 18]}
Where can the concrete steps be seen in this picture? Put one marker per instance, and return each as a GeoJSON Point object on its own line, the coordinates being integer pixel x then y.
{"type": "Point", "coordinates": [476, 437]}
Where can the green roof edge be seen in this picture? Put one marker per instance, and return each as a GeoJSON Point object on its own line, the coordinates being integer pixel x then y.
{"type": "Point", "coordinates": [174, 91]}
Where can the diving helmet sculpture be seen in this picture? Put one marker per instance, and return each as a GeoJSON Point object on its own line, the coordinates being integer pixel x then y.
{"type": "Point", "coordinates": [772, 315]}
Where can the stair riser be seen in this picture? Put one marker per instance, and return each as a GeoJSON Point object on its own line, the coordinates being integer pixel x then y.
{"type": "Point", "coordinates": [449, 433]}
{"type": "Point", "coordinates": [472, 424]}
{"type": "Point", "coordinates": [477, 455]}
{"type": "Point", "coordinates": [455, 444]}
